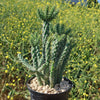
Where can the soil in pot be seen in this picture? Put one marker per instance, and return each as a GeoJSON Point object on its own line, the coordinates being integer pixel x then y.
{"type": "Point", "coordinates": [45, 89]}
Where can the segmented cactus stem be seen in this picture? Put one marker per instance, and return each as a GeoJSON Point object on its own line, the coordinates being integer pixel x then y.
{"type": "Point", "coordinates": [25, 62]}
{"type": "Point", "coordinates": [52, 77]}
{"type": "Point", "coordinates": [34, 57]}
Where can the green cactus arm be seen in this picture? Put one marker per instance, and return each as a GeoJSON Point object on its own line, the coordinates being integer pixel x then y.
{"type": "Point", "coordinates": [39, 78]}
{"type": "Point", "coordinates": [48, 49]}
{"type": "Point", "coordinates": [41, 14]}
{"type": "Point", "coordinates": [52, 14]}
{"type": "Point", "coordinates": [61, 45]}
{"type": "Point", "coordinates": [45, 35]}
{"type": "Point", "coordinates": [63, 55]}
{"type": "Point", "coordinates": [52, 10]}
{"type": "Point", "coordinates": [35, 49]}
{"type": "Point", "coordinates": [54, 46]}
{"type": "Point", "coordinates": [47, 15]}
{"type": "Point", "coordinates": [59, 29]}
{"type": "Point", "coordinates": [45, 30]}
{"type": "Point", "coordinates": [41, 62]}
{"type": "Point", "coordinates": [42, 67]}
{"type": "Point", "coordinates": [34, 57]}
{"type": "Point", "coordinates": [63, 59]}
{"type": "Point", "coordinates": [47, 56]}
{"type": "Point", "coordinates": [52, 75]}
{"type": "Point", "coordinates": [38, 54]}
{"type": "Point", "coordinates": [24, 62]}
{"type": "Point", "coordinates": [34, 40]}
{"type": "Point", "coordinates": [64, 48]}
{"type": "Point", "coordinates": [55, 13]}
{"type": "Point", "coordinates": [70, 46]}
{"type": "Point", "coordinates": [43, 52]}
{"type": "Point", "coordinates": [61, 68]}
{"type": "Point", "coordinates": [58, 44]}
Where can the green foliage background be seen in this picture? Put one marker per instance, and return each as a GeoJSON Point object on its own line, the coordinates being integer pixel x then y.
{"type": "Point", "coordinates": [92, 3]}
{"type": "Point", "coordinates": [18, 18]}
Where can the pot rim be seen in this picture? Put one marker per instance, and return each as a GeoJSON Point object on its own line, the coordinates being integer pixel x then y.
{"type": "Point", "coordinates": [46, 93]}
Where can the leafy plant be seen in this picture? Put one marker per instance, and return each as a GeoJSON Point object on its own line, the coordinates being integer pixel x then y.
{"type": "Point", "coordinates": [56, 48]}
{"type": "Point", "coordinates": [92, 3]}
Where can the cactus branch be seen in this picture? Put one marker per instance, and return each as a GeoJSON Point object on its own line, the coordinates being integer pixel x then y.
{"type": "Point", "coordinates": [43, 67]}
{"type": "Point", "coordinates": [24, 62]}
{"type": "Point", "coordinates": [34, 57]}
{"type": "Point", "coordinates": [46, 16]}
{"type": "Point", "coordinates": [52, 77]}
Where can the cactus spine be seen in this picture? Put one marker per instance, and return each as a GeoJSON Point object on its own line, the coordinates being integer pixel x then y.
{"type": "Point", "coordinates": [49, 66]}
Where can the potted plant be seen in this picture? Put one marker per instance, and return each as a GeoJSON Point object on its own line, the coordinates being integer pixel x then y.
{"type": "Point", "coordinates": [48, 67]}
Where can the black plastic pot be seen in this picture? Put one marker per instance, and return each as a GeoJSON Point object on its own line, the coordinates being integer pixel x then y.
{"type": "Point", "coordinates": [40, 96]}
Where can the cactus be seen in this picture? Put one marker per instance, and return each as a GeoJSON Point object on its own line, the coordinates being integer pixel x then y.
{"type": "Point", "coordinates": [49, 66]}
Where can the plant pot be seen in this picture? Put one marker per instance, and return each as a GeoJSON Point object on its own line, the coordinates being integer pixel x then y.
{"type": "Point", "coordinates": [41, 96]}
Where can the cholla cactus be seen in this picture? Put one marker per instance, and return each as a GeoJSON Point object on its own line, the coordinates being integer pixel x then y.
{"type": "Point", "coordinates": [56, 48]}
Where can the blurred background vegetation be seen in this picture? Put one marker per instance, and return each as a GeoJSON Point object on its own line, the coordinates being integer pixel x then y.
{"type": "Point", "coordinates": [18, 19]}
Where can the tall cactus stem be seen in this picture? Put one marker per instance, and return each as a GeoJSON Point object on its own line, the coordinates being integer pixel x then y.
{"type": "Point", "coordinates": [45, 34]}
{"type": "Point", "coordinates": [39, 78]}
{"type": "Point", "coordinates": [52, 77]}
{"type": "Point", "coordinates": [34, 57]}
